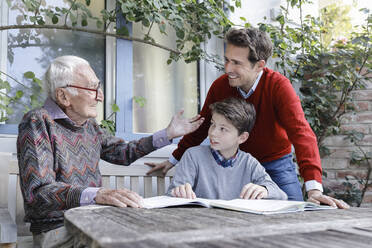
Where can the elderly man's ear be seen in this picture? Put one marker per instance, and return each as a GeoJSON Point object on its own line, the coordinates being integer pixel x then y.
{"type": "Point", "coordinates": [62, 98]}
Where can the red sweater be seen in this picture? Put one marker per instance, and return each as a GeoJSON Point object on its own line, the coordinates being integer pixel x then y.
{"type": "Point", "coordinates": [280, 122]}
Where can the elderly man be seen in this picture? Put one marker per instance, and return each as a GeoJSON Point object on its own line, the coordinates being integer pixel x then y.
{"type": "Point", "coordinates": [60, 145]}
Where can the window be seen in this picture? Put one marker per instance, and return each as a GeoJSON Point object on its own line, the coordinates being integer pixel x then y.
{"type": "Point", "coordinates": [150, 92]}
{"type": "Point", "coordinates": [165, 88]}
{"type": "Point", "coordinates": [33, 50]}
{"type": "Point", "coordinates": [132, 72]}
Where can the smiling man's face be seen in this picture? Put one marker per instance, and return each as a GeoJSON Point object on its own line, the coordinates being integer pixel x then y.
{"type": "Point", "coordinates": [242, 73]}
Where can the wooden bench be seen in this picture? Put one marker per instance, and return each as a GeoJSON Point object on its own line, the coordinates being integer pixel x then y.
{"type": "Point", "coordinates": [113, 176]}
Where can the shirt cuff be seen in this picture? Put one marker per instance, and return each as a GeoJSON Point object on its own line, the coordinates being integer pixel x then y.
{"type": "Point", "coordinates": [313, 184]}
{"type": "Point", "coordinates": [88, 195]}
{"type": "Point", "coordinates": [173, 160]}
{"type": "Point", "coordinates": [160, 139]}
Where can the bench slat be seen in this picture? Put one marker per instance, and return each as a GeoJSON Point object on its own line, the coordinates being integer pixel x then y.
{"type": "Point", "coordinates": [120, 182]}
{"type": "Point", "coordinates": [160, 185]}
{"type": "Point", "coordinates": [147, 186]}
{"type": "Point", "coordinates": [134, 184]}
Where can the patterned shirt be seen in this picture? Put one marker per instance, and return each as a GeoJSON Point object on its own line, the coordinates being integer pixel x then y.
{"type": "Point", "coordinates": [58, 160]}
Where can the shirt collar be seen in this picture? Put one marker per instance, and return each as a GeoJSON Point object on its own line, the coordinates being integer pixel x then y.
{"type": "Point", "coordinates": [54, 110]}
{"type": "Point", "coordinates": [250, 92]}
{"type": "Point", "coordinates": [222, 161]}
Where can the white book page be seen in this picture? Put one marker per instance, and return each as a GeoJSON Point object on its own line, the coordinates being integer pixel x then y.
{"type": "Point", "coordinates": [261, 205]}
{"type": "Point", "coordinates": [167, 201]}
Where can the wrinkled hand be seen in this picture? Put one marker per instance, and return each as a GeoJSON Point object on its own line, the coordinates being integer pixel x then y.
{"type": "Point", "coordinates": [180, 126]}
{"type": "Point", "coordinates": [183, 191]}
{"type": "Point", "coordinates": [119, 198]}
{"type": "Point", "coordinates": [164, 166]}
{"type": "Point", "coordinates": [317, 197]}
{"type": "Point", "coordinates": [253, 191]}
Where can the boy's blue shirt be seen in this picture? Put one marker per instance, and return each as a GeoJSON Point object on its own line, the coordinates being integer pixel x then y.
{"type": "Point", "coordinates": [222, 161]}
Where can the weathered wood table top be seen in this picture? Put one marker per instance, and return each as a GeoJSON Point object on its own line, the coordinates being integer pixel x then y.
{"type": "Point", "coordinates": [103, 226]}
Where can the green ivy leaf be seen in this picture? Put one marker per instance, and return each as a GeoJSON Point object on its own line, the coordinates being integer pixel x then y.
{"type": "Point", "coordinates": [40, 21]}
{"type": "Point", "coordinates": [19, 94]}
{"type": "Point", "coordinates": [37, 81]}
{"type": "Point", "coordinates": [115, 108]}
{"type": "Point", "coordinates": [140, 100]}
{"type": "Point", "coordinates": [162, 28]}
{"type": "Point", "coordinates": [123, 31]}
{"type": "Point", "coordinates": [180, 34]}
{"type": "Point", "coordinates": [33, 19]}
{"type": "Point", "coordinates": [55, 19]}
{"type": "Point", "coordinates": [29, 74]}
{"type": "Point", "coordinates": [84, 22]}
{"type": "Point", "coordinates": [5, 85]}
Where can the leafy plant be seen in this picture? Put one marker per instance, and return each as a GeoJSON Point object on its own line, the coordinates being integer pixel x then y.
{"type": "Point", "coordinates": [327, 75]}
{"type": "Point", "coordinates": [140, 100]}
{"type": "Point", "coordinates": [326, 71]}
{"type": "Point", "coordinates": [9, 98]}
{"type": "Point", "coordinates": [360, 158]}
{"type": "Point", "coordinates": [109, 122]}
{"type": "Point", "coordinates": [193, 22]}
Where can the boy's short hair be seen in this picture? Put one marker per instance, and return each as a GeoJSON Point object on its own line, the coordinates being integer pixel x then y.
{"type": "Point", "coordinates": [241, 113]}
{"type": "Point", "coordinates": [258, 42]}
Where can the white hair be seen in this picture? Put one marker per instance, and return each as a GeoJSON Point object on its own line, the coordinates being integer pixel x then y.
{"type": "Point", "coordinates": [61, 73]}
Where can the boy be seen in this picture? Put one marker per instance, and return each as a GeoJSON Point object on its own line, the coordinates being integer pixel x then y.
{"type": "Point", "coordinates": [222, 171]}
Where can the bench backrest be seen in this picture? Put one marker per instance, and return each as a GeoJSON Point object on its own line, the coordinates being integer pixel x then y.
{"type": "Point", "coordinates": [134, 177]}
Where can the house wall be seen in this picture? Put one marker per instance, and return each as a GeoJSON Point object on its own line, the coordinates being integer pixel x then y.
{"type": "Point", "coordinates": [337, 165]}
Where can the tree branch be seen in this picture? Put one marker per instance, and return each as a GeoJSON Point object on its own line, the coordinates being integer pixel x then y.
{"type": "Point", "coordinates": [1, 72]}
{"type": "Point", "coordinates": [92, 31]}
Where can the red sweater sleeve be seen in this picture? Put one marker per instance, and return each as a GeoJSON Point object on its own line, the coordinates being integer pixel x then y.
{"type": "Point", "coordinates": [291, 117]}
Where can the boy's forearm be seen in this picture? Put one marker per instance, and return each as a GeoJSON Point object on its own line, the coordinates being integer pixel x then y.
{"type": "Point", "coordinates": [274, 192]}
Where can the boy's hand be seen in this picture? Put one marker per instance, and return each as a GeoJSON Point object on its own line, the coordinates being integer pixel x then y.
{"type": "Point", "coordinates": [183, 191]}
{"type": "Point", "coordinates": [253, 191]}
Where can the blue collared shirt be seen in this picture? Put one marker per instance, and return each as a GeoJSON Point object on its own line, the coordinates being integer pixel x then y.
{"type": "Point", "coordinates": [250, 92]}
{"type": "Point", "coordinates": [222, 161]}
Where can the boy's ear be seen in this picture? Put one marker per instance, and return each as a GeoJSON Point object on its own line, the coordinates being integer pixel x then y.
{"type": "Point", "coordinates": [243, 137]}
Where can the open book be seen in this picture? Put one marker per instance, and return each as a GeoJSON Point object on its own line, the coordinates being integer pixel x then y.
{"type": "Point", "coordinates": [250, 206]}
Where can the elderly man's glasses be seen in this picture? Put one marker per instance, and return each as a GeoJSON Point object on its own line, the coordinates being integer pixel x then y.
{"type": "Point", "coordinates": [99, 87]}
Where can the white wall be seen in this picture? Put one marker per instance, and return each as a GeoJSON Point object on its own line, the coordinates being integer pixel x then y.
{"type": "Point", "coordinates": [254, 11]}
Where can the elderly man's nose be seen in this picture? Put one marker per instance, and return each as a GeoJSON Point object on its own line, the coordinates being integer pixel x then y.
{"type": "Point", "coordinates": [100, 95]}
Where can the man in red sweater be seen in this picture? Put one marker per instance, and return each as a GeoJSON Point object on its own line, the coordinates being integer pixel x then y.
{"type": "Point", "coordinates": [280, 120]}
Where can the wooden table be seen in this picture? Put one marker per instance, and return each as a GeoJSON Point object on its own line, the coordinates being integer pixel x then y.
{"type": "Point", "coordinates": [102, 226]}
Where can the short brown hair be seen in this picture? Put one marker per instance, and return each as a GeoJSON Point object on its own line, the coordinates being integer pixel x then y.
{"type": "Point", "coordinates": [241, 113]}
{"type": "Point", "coordinates": [258, 42]}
